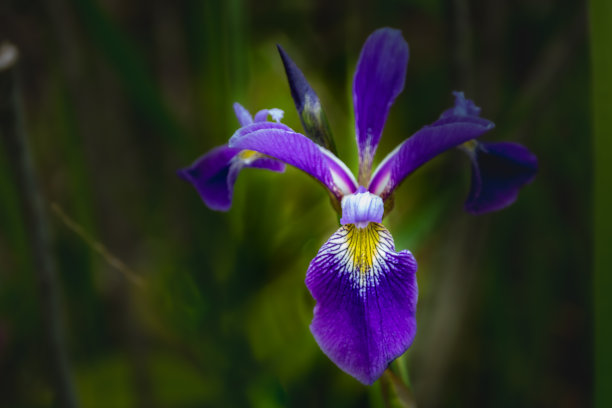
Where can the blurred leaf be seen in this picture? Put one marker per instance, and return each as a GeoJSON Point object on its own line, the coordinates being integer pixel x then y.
{"type": "Point", "coordinates": [178, 384]}
{"type": "Point", "coordinates": [105, 383]}
{"type": "Point", "coordinates": [131, 69]}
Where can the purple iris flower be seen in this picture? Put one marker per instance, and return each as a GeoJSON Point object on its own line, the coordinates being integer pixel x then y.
{"type": "Point", "coordinates": [214, 174]}
{"type": "Point", "coordinates": [499, 169]}
{"type": "Point", "coordinates": [366, 291]}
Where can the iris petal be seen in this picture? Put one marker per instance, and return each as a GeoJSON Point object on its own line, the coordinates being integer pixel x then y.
{"type": "Point", "coordinates": [379, 79]}
{"type": "Point", "coordinates": [499, 170]}
{"type": "Point", "coordinates": [243, 115]}
{"type": "Point", "coordinates": [366, 297]}
{"type": "Point", "coordinates": [293, 148]}
{"type": "Point", "coordinates": [451, 130]}
{"type": "Point", "coordinates": [214, 174]}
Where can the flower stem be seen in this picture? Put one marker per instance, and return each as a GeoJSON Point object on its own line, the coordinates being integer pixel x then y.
{"type": "Point", "coordinates": [403, 393]}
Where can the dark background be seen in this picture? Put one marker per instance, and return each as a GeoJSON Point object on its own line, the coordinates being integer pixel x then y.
{"type": "Point", "coordinates": [118, 95]}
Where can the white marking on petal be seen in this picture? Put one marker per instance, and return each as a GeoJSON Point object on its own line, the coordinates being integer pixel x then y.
{"type": "Point", "coordinates": [379, 182]}
{"type": "Point", "coordinates": [341, 175]}
{"type": "Point", "coordinates": [276, 114]}
{"type": "Point", "coordinates": [364, 255]}
{"type": "Point", "coordinates": [361, 208]}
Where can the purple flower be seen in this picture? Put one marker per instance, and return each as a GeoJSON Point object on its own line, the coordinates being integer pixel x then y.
{"type": "Point", "coordinates": [366, 292]}
{"type": "Point", "coordinates": [214, 174]}
{"type": "Point", "coordinates": [499, 170]}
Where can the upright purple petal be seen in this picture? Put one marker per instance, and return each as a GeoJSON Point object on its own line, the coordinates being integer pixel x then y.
{"type": "Point", "coordinates": [379, 78]}
{"type": "Point", "coordinates": [451, 130]}
{"type": "Point", "coordinates": [243, 115]}
{"type": "Point", "coordinates": [214, 174]}
{"type": "Point", "coordinates": [299, 151]}
{"type": "Point", "coordinates": [499, 170]}
{"type": "Point", "coordinates": [366, 297]}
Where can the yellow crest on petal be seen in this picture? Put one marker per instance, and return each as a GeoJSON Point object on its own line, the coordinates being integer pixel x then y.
{"type": "Point", "coordinates": [247, 154]}
{"type": "Point", "coordinates": [363, 245]}
{"type": "Point", "coordinates": [363, 255]}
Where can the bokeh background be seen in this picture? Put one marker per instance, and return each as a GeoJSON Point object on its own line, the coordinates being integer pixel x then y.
{"type": "Point", "coordinates": [209, 309]}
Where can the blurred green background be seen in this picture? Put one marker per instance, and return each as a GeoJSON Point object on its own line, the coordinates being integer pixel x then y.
{"type": "Point", "coordinates": [119, 94]}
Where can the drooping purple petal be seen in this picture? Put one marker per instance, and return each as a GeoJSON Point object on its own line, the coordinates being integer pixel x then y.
{"type": "Point", "coordinates": [243, 115]}
{"type": "Point", "coordinates": [499, 170]}
{"type": "Point", "coordinates": [214, 174]}
{"type": "Point", "coordinates": [299, 151]}
{"type": "Point", "coordinates": [312, 116]}
{"type": "Point", "coordinates": [451, 130]}
{"type": "Point", "coordinates": [379, 78]}
{"type": "Point", "coordinates": [366, 297]}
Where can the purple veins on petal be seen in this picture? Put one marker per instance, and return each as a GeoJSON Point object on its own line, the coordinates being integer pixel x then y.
{"type": "Point", "coordinates": [366, 296]}
{"type": "Point", "coordinates": [214, 174]}
{"type": "Point", "coordinates": [499, 170]}
{"type": "Point", "coordinates": [246, 130]}
{"type": "Point", "coordinates": [299, 151]}
{"type": "Point", "coordinates": [379, 79]}
{"type": "Point", "coordinates": [451, 130]}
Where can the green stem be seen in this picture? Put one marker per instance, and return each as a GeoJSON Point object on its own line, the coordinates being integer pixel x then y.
{"type": "Point", "coordinates": [402, 391]}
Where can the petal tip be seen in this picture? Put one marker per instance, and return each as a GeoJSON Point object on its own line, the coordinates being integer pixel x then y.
{"type": "Point", "coordinates": [242, 114]}
{"type": "Point", "coordinates": [298, 85]}
{"type": "Point", "coordinates": [182, 174]}
{"type": "Point", "coordinates": [499, 171]}
{"type": "Point", "coordinates": [276, 114]}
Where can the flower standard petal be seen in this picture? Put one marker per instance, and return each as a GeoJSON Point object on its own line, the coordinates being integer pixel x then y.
{"type": "Point", "coordinates": [366, 297]}
{"type": "Point", "coordinates": [214, 174]}
{"type": "Point", "coordinates": [299, 151]}
{"type": "Point", "coordinates": [499, 170]}
{"type": "Point", "coordinates": [243, 115]}
{"type": "Point", "coordinates": [447, 132]}
{"type": "Point", "coordinates": [379, 78]}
